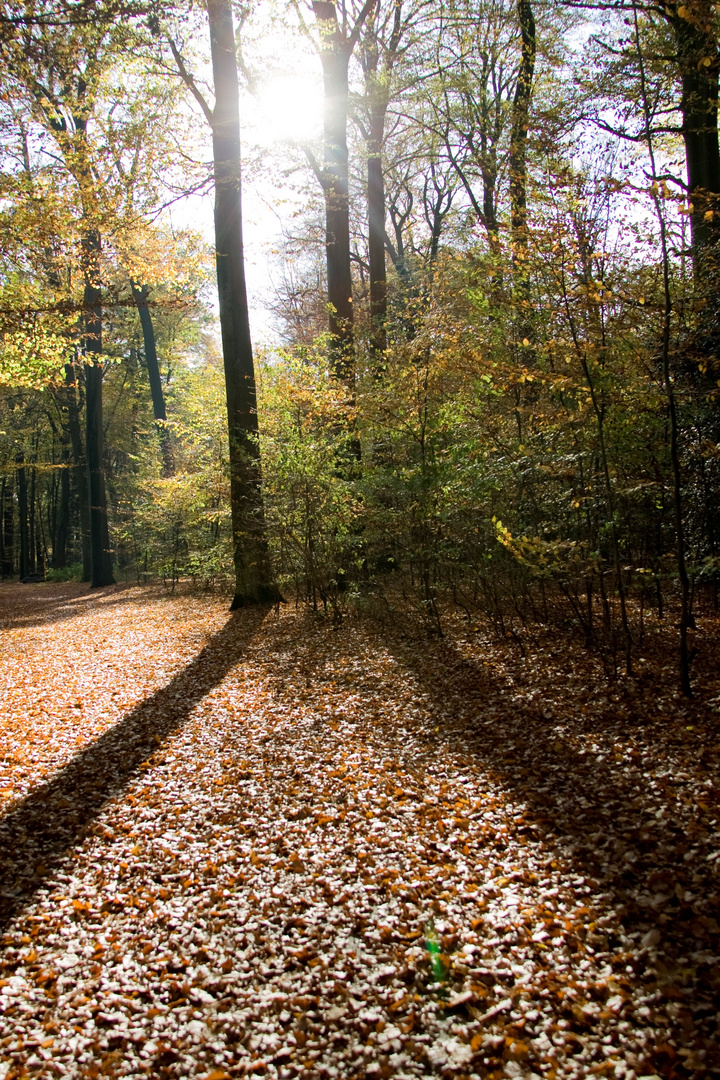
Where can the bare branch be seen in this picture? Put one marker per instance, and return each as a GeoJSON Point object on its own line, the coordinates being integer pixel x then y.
{"type": "Point", "coordinates": [189, 81]}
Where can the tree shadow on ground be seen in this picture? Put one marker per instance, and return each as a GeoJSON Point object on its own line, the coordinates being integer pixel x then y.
{"type": "Point", "coordinates": [612, 819]}
{"type": "Point", "coordinates": [24, 606]}
{"type": "Point", "coordinates": [39, 829]}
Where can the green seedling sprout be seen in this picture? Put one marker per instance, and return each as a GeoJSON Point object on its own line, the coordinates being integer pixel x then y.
{"type": "Point", "coordinates": [433, 947]}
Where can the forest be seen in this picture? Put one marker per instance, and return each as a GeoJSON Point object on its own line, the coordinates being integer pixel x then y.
{"type": "Point", "coordinates": [491, 374]}
{"type": "Point", "coordinates": [359, 538]}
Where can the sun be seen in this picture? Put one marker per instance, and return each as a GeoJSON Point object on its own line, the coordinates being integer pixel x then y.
{"type": "Point", "coordinates": [290, 109]}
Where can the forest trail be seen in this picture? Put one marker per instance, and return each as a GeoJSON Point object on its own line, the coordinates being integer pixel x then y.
{"type": "Point", "coordinates": [258, 844]}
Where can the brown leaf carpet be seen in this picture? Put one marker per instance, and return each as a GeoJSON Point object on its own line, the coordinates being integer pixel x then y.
{"type": "Point", "coordinates": [259, 845]}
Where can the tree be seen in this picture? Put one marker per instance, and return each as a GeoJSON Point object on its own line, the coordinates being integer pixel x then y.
{"type": "Point", "coordinates": [141, 297]}
{"type": "Point", "coordinates": [380, 44]}
{"type": "Point", "coordinates": [59, 71]}
{"type": "Point", "coordinates": [253, 576]}
{"type": "Point", "coordinates": [338, 37]}
{"type": "Point", "coordinates": [518, 146]}
{"type": "Point", "coordinates": [139, 198]}
{"type": "Point", "coordinates": [100, 556]}
{"type": "Point", "coordinates": [695, 25]}
{"type": "Point", "coordinates": [476, 83]}
{"type": "Point", "coordinates": [667, 375]}
{"type": "Point", "coordinates": [690, 60]}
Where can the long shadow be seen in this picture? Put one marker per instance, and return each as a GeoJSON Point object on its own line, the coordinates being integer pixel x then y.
{"type": "Point", "coordinates": [38, 830]}
{"type": "Point", "coordinates": [585, 804]}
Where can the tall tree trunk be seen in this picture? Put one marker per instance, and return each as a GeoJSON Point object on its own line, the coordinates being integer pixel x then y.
{"type": "Point", "coordinates": [253, 579]}
{"type": "Point", "coordinates": [8, 513]}
{"type": "Point", "coordinates": [24, 567]}
{"type": "Point", "coordinates": [335, 57]}
{"type": "Point", "coordinates": [79, 467]}
{"type": "Point", "coordinates": [140, 296]}
{"type": "Point", "coordinates": [100, 554]}
{"type": "Point", "coordinates": [518, 160]}
{"type": "Point", "coordinates": [376, 238]}
{"type": "Point", "coordinates": [378, 75]}
{"type": "Point", "coordinates": [699, 61]}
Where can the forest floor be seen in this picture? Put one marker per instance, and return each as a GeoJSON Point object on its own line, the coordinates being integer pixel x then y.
{"type": "Point", "coordinates": [261, 844]}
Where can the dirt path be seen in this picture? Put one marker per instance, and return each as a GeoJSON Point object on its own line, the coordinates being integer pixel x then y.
{"type": "Point", "coordinates": [259, 845]}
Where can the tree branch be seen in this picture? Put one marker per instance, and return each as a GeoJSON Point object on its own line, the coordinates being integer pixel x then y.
{"type": "Point", "coordinates": [189, 81]}
{"type": "Point", "coordinates": [355, 32]}
{"type": "Point", "coordinates": [313, 163]}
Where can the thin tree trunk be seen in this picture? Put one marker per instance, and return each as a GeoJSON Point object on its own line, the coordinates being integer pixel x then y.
{"type": "Point", "coordinates": [686, 619]}
{"type": "Point", "coordinates": [378, 76]}
{"type": "Point", "coordinates": [376, 243]}
{"type": "Point", "coordinates": [599, 410]}
{"type": "Point", "coordinates": [79, 467]}
{"type": "Point", "coordinates": [253, 579]}
{"type": "Point", "coordinates": [62, 520]}
{"type": "Point", "coordinates": [518, 161]}
{"type": "Point", "coordinates": [24, 567]}
{"type": "Point", "coordinates": [32, 545]}
{"type": "Point", "coordinates": [335, 57]}
{"type": "Point", "coordinates": [3, 549]}
{"type": "Point", "coordinates": [336, 48]}
{"type": "Point", "coordinates": [40, 542]}
{"type": "Point", "coordinates": [140, 296]}
{"type": "Point", "coordinates": [8, 512]}
{"type": "Point", "coordinates": [100, 554]}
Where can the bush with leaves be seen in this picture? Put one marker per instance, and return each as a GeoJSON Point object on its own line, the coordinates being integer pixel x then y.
{"type": "Point", "coordinates": [313, 511]}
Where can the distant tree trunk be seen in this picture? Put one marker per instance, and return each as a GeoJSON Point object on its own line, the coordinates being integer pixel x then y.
{"type": "Point", "coordinates": [335, 57]}
{"type": "Point", "coordinates": [3, 547]}
{"type": "Point", "coordinates": [376, 238]}
{"type": "Point", "coordinates": [24, 568]}
{"type": "Point", "coordinates": [32, 542]}
{"type": "Point", "coordinates": [79, 467]}
{"type": "Point", "coordinates": [253, 579]}
{"type": "Point", "coordinates": [377, 72]}
{"type": "Point", "coordinates": [100, 554]}
{"type": "Point", "coordinates": [62, 518]}
{"type": "Point", "coordinates": [518, 156]}
{"type": "Point", "coordinates": [2, 528]}
{"type": "Point", "coordinates": [140, 296]}
{"type": "Point", "coordinates": [40, 547]}
{"type": "Point", "coordinates": [8, 513]}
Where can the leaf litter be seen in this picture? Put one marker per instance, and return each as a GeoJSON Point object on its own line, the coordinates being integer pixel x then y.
{"type": "Point", "coordinates": [262, 845]}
